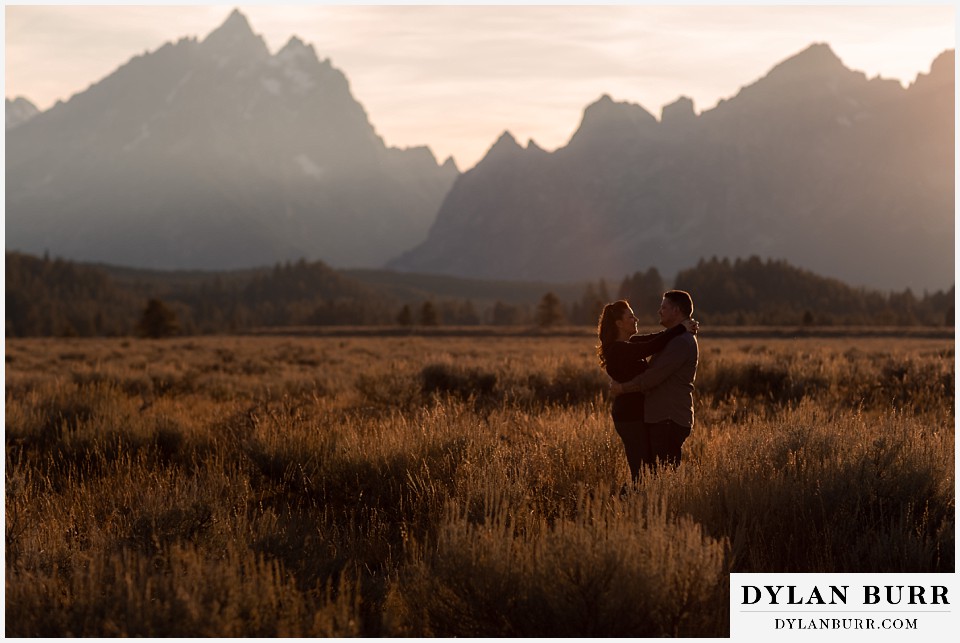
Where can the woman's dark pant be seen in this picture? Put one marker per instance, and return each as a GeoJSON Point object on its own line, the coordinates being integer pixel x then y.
{"type": "Point", "coordinates": [636, 442]}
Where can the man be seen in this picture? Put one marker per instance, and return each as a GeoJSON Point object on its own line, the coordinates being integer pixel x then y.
{"type": "Point", "coordinates": [667, 384]}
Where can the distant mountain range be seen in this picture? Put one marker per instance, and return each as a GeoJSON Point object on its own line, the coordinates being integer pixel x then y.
{"type": "Point", "coordinates": [813, 163]}
{"type": "Point", "coordinates": [217, 154]}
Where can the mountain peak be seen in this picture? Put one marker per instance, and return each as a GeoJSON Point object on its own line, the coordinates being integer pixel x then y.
{"type": "Point", "coordinates": [809, 75]}
{"type": "Point", "coordinates": [607, 119]}
{"type": "Point", "coordinates": [451, 164]}
{"type": "Point", "coordinates": [533, 147]}
{"type": "Point", "coordinates": [233, 35]}
{"type": "Point", "coordinates": [296, 49]}
{"type": "Point", "coordinates": [941, 71]}
{"type": "Point", "coordinates": [820, 51]}
{"type": "Point", "coordinates": [19, 111]}
{"type": "Point", "coordinates": [506, 142]}
{"type": "Point", "coordinates": [296, 43]}
{"type": "Point", "coordinates": [815, 61]}
{"type": "Point", "coordinates": [605, 109]}
{"type": "Point", "coordinates": [944, 63]}
{"type": "Point", "coordinates": [506, 147]}
{"type": "Point", "coordinates": [236, 24]}
{"type": "Point", "coordinates": [678, 112]}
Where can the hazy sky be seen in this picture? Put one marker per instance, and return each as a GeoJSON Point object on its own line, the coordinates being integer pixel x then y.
{"type": "Point", "coordinates": [455, 77]}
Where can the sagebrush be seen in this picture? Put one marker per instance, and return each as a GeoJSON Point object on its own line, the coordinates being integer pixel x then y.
{"type": "Point", "coordinates": [412, 486]}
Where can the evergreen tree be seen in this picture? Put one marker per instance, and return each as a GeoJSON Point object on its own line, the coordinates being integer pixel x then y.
{"type": "Point", "coordinates": [405, 317]}
{"type": "Point", "coordinates": [549, 311]}
{"type": "Point", "coordinates": [603, 293]}
{"type": "Point", "coordinates": [591, 304]}
{"type": "Point", "coordinates": [642, 289]}
{"type": "Point", "coordinates": [505, 314]}
{"type": "Point", "coordinates": [428, 314]}
{"type": "Point", "coordinates": [158, 320]}
{"type": "Point", "coordinates": [468, 315]}
{"type": "Point", "coordinates": [459, 313]}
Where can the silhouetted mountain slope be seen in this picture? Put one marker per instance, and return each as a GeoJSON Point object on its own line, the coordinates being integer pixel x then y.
{"type": "Point", "coordinates": [217, 154]}
{"type": "Point", "coordinates": [815, 163]}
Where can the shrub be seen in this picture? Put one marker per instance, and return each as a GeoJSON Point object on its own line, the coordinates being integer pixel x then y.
{"type": "Point", "coordinates": [624, 571]}
{"type": "Point", "coordinates": [569, 385]}
{"type": "Point", "coordinates": [457, 380]}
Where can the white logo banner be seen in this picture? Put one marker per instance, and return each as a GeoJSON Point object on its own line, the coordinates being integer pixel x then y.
{"type": "Point", "coordinates": [843, 607]}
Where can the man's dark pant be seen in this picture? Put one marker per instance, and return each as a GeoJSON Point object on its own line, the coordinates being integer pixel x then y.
{"type": "Point", "coordinates": [665, 440]}
{"type": "Point", "coordinates": [651, 444]}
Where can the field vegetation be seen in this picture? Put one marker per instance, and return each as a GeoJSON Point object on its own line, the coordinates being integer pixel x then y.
{"type": "Point", "coordinates": [451, 486]}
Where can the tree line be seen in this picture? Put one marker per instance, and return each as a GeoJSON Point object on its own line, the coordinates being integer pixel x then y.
{"type": "Point", "coordinates": [54, 297]}
{"type": "Point", "coordinates": [756, 292]}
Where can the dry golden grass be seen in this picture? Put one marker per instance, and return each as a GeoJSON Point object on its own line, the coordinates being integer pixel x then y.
{"type": "Point", "coordinates": [444, 486]}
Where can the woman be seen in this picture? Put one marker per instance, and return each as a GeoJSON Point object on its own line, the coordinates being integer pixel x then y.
{"type": "Point", "coordinates": [623, 355]}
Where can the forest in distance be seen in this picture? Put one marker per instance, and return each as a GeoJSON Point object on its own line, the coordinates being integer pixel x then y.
{"type": "Point", "coordinates": [59, 298]}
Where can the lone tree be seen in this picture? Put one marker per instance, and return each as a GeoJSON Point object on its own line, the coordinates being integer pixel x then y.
{"type": "Point", "coordinates": [405, 316]}
{"type": "Point", "coordinates": [429, 315]}
{"type": "Point", "coordinates": [158, 320]}
{"type": "Point", "coordinates": [549, 311]}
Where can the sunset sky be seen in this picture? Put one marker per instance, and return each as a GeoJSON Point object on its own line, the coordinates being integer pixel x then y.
{"type": "Point", "coordinates": [455, 77]}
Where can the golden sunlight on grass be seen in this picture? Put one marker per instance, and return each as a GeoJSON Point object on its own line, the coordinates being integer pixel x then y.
{"type": "Point", "coordinates": [444, 486]}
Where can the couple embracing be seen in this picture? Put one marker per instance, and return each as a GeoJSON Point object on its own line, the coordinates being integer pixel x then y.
{"type": "Point", "coordinates": [653, 403]}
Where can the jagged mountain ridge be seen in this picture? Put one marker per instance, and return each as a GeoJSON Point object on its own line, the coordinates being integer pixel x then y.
{"type": "Point", "coordinates": [215, 154]}
{"type": "Point", "coordinates": [813, 163]}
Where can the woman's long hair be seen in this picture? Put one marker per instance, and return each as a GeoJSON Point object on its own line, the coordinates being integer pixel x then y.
{"type": "Point", "coordinates": [607, 326]}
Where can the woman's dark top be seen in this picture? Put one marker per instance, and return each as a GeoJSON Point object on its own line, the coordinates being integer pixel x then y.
{"type": "Point", "coordinates": [625, 360]}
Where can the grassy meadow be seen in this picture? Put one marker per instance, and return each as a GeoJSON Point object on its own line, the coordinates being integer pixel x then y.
{"type": "Point", "coordinates": [452, 486]}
